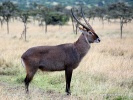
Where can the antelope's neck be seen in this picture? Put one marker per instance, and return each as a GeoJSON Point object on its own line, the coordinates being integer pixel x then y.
{"type": "Point", "coordinates": [82, 46]}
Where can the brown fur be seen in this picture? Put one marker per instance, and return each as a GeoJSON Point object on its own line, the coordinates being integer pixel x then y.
{"type": "Point", "coordinates": [56, 58]}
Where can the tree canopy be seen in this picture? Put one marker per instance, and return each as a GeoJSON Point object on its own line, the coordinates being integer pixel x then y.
{"type": "Point", "coordinates": [8, 10]}
{"type": "Point", "coordinates": [120, 11]}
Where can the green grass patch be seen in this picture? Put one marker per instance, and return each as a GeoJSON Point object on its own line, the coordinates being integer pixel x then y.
{"type": "Point", "coordinates": [50, 81]}
{"type": "Point", "coordinates": [118, 98]}
{"type": "Point", "coordinates": [82, 84]}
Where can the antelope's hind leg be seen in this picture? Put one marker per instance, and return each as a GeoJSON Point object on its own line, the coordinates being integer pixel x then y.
{"type": "Point", "coordinates": [29, 77]}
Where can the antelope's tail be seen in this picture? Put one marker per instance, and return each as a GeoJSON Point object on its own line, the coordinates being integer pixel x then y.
{"type": "Point", "coordinates": [23, 63]}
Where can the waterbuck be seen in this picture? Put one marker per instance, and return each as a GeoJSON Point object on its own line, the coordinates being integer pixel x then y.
{"type": "Point", "coordinates": [60, 57]}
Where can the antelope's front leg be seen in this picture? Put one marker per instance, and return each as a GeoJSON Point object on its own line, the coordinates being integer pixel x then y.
{"type": "Point", "coordinates": [68, 75]}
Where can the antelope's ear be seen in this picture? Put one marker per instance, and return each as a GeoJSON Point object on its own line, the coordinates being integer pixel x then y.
{"type": "Point", "coordinates": [82, 30]}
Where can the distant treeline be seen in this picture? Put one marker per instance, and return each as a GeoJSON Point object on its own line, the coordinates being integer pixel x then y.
{"type": "Point", "coordinates": [24, 4]}
{"type": "Point", "coordinates": [60, 15]}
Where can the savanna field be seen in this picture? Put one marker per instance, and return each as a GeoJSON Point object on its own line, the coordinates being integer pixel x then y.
{"type": "Point", "coordinates": [105, 73]}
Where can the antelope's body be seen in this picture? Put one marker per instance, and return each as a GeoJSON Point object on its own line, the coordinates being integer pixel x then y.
{"type": "Point", "coordinates": [58, 58]}
{"type": "Point", "coordinates": [55, 58]}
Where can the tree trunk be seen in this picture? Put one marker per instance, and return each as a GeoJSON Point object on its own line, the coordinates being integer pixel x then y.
{"type": "Point", "coordinates": [77, 28]}
{"type": "Point", "coordinates": [73, 25]}
{"type": "Point", "coordinates": [1, 23]}
{"type": "Point", "coordinates": [102, 23]}
{"type": "Point", "coordinates": [45, 28]}
{"type": "Point", "coordinates": [7, 27]}
{"type": "Point", "coordinates": [121, 27]}
{"type": "Point", "coordinates": [25, 31]}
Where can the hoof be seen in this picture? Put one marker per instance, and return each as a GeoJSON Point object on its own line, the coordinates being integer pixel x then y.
{"type": "Point", "coordinates": [27, 91]}
{"type": "Point", "coordinates": [68, 93]}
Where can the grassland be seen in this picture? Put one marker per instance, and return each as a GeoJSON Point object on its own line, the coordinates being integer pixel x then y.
{"type": "Point", "coordinates": [106, 72]}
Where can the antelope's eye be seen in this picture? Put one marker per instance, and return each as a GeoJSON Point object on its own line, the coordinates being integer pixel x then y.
{"type": "Point", "coordinates": [90, 32]}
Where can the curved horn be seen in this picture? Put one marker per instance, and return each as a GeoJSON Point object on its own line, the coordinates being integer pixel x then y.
{"type": "Point", "coordinates": [78, 20]}
{"type": "Point", "coordinates": [86, 20]}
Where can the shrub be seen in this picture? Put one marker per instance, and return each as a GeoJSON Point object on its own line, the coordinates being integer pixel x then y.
{"type": "Point", "coordinates": [56, 18]}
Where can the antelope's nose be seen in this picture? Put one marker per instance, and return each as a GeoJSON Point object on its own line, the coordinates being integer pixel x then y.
{"type": "Point", "coordinates": [98, 40]}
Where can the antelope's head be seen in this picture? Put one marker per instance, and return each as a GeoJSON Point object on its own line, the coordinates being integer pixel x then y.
{"type": "Point", "coordinates": [87, 31]}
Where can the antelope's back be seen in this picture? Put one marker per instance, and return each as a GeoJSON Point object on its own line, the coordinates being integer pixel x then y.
{"type": "Point", "coordinates": [51, 58]}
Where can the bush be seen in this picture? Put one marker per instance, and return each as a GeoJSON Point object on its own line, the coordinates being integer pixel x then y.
{"type": "Point", "coordinates": [56, 18]}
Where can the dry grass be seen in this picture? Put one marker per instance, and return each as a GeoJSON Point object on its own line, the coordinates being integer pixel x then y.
{"type": "Point", "coordinates": [106, 72]}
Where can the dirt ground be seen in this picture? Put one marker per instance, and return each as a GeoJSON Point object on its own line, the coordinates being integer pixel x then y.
{"type": "Point", "coordinates": [106, 69]}
{"type": "Point", "coordinates": [10, 92]}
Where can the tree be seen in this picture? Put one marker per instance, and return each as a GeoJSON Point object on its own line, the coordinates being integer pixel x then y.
{"type": "Point", "coordinates": [77, 11]}
{"type": "Point", "coordinates": [44, 15]}
{"type": "Point", "coordinates": [24, 16]}
{"type": "Point", "coordinates": [120, 11]}
{"type": "Point", "coordinates": [59, 8]}
{"type": "Point", "coordinates": [100, 12]}
{"type": "Point", "coordinates": [51, 17]}
{"type": "Point", "coordinates": [8, 10]}
{"type": "Point", "coordinates": [1, 16]}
